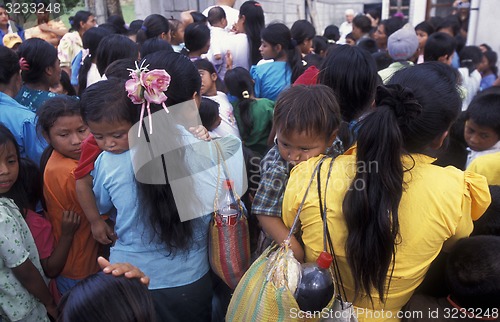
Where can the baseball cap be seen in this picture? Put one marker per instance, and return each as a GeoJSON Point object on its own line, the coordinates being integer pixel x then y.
{"type": "Point", "coordinates": [10, 40]}
{"type": "Point", "coordinates": [403, 43]}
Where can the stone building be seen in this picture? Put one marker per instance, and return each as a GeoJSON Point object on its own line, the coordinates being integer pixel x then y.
{"type": "Point", "coordinates": [484, 13]}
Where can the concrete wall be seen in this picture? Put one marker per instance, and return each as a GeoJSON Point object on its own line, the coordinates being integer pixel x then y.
{"type": "Point", "coordinates": [287, 11]}
{"type": "Point", "coordinates": [484, 28]}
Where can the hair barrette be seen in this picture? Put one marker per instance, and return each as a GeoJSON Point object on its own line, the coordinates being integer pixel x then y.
{"type": "Point", "coordinates": [23, 63]}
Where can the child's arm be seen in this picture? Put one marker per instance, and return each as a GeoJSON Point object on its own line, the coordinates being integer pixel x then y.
{"type": "Point", "coordinates": [54, 264]}
{"type": "Point", "coordinates": [100, 230]}
{"type": "Point", "coordinates": [275, 227]}
{"type": "Point", "coordinates": [32, 281]}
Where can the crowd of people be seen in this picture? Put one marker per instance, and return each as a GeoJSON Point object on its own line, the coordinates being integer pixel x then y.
{"type": "Point", "coordinates": [111, 138]}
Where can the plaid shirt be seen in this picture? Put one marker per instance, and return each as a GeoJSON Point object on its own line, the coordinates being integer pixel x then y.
{"type": "Point", "coordinates": [274, 175]}
{"type": "Point", "coordinates": [275, 172]}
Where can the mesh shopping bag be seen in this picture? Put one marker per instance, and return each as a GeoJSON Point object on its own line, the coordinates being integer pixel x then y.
{"type": "Point", "coordinates": [229, 242]}
{"type": "Point", "coordinates": [263, 293]}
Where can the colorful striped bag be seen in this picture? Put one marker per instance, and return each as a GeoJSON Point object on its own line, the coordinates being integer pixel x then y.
{"type": "Point", "coordinates": [229, 244]}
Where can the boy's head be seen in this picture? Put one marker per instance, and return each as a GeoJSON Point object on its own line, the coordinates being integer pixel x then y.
{"type": "Point", "coordinates": [472, 272]}
{"type": "Point", "coordinates": [217, 17]}
{"type": "Point", "coordinates": [402, 44]}
{"type": "Point", "coordinates": [209, 114]}
{"type": "Point", "coordinates": [489, 223]}
{"type": "Point", "coordinates": [482, 121]}
{"type": "Point", "coordinates": [306, 120]}
{"type": "Point", "coordinates": [109, 113]}
{"type": "Point", "coordinates": [440, 47]}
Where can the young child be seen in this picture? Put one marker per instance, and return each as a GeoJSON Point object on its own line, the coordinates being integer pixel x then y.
{"type": "Point", "coordinates": [374, 191]}
{"type": "Point", "coordinates": [150, 232]}
{"type": "Point", "coordinates": [24, 293]}
{"type": "Point", "coordinates": [488, 69]}
{"type": "Point", "coordinates": [176, 34]}
{"type": "Point", "coordinates": [254, 116]}
{"type": "Point", "coordinates": [423, 31]}
{"type": "Point", "coordinates": [60, 123]}
{"type": "Point", "coordinates": [196, 41]}
{"type": "Point", "coordinates": [52, 256]}
{"type": "Point", "coordinates": [273, 77]}
{"type": "Point", "coordinates": [209, 114]}
{"type": "Point", "coordinates": [209, 80]}
{"type": "Point", "coordinates": [482, 125]}
{"type": "Point", "coordinates": [472, 275]}
{"type": "Point", "coordinates": [303, 32]}
{"type": "Point", "coordinates": [302, 132]}
{"type": "Point", "coordinates": [470, 58]}
{"type": "Point", "coordinates": [349, 39]}
{"type": "Point", "coordinates": [440, 47]}
{"type": "Point", "coordinates": [218, 38]}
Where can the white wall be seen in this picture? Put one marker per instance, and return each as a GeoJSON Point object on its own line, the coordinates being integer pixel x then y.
{"type": "Point", "coordinates": [488, 24]}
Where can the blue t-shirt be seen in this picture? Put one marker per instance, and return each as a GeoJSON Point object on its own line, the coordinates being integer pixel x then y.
{"type": "Point", "coordinates": [22, 123]}
{"type": "Point", "coordinates": [115, 186]}
{"type": "Point", "coordinates": [271, 78]}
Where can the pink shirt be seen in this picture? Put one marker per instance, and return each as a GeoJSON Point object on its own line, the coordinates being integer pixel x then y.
{"type": "Point", "coordinates": [41, 229]}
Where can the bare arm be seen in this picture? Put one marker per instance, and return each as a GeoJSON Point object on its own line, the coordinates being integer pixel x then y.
{"type": "Point", "coordinates": [32, 281]}
{"type": "Point", "coordinates": [275, 227]}
{"type": "Point", "coordinates": [54, 264]}
{"type": "Point", "coordinates": [59, 32]}
{"type": "Point", "coordinates": [100, 230]}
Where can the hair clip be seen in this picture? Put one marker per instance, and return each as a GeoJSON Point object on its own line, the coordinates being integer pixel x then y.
{"type": "Point", "coordinates": [23, 63]}
{"type": "Point", "coordinates": [144, 28]}
{"type": "Point", "coordinates": [146, 87]}
{"type": "Point", "coordinates": [245, 94]}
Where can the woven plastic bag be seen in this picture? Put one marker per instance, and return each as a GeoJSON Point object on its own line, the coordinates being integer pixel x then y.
{"type": "Point", "coordinates": [229, 250]}
{"type": "Point", "coordinates": [229, 244]}
{"type": "Point", "coordinates": [266, 291]}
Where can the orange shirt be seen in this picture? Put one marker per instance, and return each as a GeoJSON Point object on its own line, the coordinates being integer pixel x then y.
{"type": "Point", "coordinates": [59, 190]}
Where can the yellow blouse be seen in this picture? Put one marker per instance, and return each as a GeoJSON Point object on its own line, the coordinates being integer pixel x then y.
{"type": "Point", "coordinates": [437, 206]}
{"type": "Point", "coordinates": [489, 166]}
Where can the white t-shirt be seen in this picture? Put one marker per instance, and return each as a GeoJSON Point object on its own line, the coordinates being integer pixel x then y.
{"type": "Point", "coordinates": [228, 124]}
{"type": "Point", "coordinates": [93, 75]}
{"type": "Point", "coordinates": [232, 15]}
{"type": "Point", "coordinates": [471, 83]}
{"type": "Point", "coordinates": [218, 40]}
{"type": "Point", "coordinates": [237, 44]}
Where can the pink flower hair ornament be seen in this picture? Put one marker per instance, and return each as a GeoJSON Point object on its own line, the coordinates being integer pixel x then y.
{"type": "Point", "coordinates": [146, 87]}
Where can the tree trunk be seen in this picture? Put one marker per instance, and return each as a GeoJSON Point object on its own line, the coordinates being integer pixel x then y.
{"type": "Point", "coordinates": [114, 8]}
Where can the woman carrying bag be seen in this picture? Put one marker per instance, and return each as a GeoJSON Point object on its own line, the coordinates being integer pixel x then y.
{"type": "Point", "coordinates": [389, 210]}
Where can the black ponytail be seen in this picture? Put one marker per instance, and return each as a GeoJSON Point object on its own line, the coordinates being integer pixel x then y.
{"type": "Point", "coordinates": [371, 205]}
{"type": "Point", "coordinates": [294, 59]}
{"type": "Point", "coordinates": [240, 84]}
{"type": "Point", "coordinates": [411, 116]}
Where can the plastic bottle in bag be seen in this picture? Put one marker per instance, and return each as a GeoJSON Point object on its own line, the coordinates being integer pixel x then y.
{"type": "Point", "coordinates": [316, 287]}
{"type": "Point", "coordinates": [229, 211]}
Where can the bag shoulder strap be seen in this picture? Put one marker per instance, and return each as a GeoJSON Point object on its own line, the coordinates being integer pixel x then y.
{"type": "Point", "coordinates": [327, 240]}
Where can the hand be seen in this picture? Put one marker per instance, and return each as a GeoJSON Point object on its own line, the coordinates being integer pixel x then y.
{"type": "Point", "coordinates": [126, 269]}
{"type": "Point", "coordinates": [229, 60]}
{"type": "Point", "coordinates": [200, 132]}
{"type": "Point", "coordinates": [70, 223]}
{"type": "Point", "coordinates": [102, 232]}
{"type": "Point", "coordinates": [234, 28]}
{"type": "Point", "coordinates": [44, 27]}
